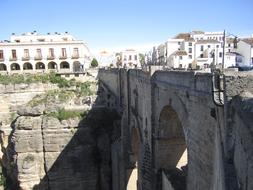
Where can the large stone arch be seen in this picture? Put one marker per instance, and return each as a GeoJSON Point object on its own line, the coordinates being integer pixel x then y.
{"type": "Point", "coordinates": [27, 66]}
{"type": "Point", "coordinates": [3, 67]}
{"type": "Point", "coordinates": [171, 148]}
{"type": "Point", "coordinates": [52, 65]}
{"type": "Point", "coordinates": [171, 138]}
{"type": "Point", "coordinates": [40, 66]}
{"type": "Point", "coordinates": [15, 66]}
{"type": "Point", "coordinates": [64, 65]}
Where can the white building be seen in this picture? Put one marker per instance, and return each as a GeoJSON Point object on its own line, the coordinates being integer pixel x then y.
{"type": "Point", "coordinates": [32, 52]}
{"type": "Point", "coordinates": [198, 50]}
{"type": "Point", "coordinates": [233, 59]}
{"type": "Point", "coordinates": [128, 59]}
{"type": "Point", "coordinates": [245, 48]}
{"type": "Point", "coordinates": [208, 52]}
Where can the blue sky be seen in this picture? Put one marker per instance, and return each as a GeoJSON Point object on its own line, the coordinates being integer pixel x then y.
{"type": "Point", "coordinates": [108, 24]}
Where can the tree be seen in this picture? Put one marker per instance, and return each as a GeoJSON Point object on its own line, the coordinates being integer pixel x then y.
{"type": "Point", "coordinates": [94, 63]}
{"type": "Point", "coordinates": [142, 58]}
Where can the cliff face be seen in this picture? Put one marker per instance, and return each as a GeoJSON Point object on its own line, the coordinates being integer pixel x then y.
{"type": "Point", "coordinates": [59, 139]}
{"type": "Point", "coordinates": [45, 153]}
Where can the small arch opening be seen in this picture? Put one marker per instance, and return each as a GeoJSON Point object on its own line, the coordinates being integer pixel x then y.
{"type": "Point", "coordinates": [15, 66]}
{"type": "Point", "coordinates": [64, 65]}
{"type": "Point", "coordinates": [27, 66]}
{"type": "Point", "coordinates": [3, 67]}
{"type": "Point", "coordinates": [40, 66]}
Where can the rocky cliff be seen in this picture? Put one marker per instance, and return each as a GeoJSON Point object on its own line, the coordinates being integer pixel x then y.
{"type": "Point", "coordinates": [46, 153]}
{"type": "Point", "coordinates": [60, 138]}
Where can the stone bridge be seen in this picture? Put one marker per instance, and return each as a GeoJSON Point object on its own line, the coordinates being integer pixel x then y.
{"type": "Point", "coordinates": [181, 130]}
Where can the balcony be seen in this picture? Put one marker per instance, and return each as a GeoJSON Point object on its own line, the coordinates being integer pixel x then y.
{"type": "Point", "coordinates": [63, 57]}
{"type": "Point", "coordinates": [25, 58]}
{"type": "Point", "coordinates": [13, 59]}
{"type": "Point", "coordinates": [50, 57]}
{"type": "Point", "coordinates": [75, 57]}
{"type": "Point", "coordinates": [38, 57]}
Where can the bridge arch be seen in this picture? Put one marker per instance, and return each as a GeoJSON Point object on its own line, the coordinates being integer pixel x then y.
{"type": "Point", "coordinates": [133, 172]}
{"type": "Point", "coordinates": [171, 139]}
{"type": "Point", "coordinates": [171, 154]}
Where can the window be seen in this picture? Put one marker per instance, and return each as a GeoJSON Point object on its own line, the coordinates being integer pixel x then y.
{"type": "Point", "coordinates": [51, 52]}
{"type": "Point", "coordinates": [130, 57]}
{"type": "Point", "coordinates": [190, 56]}
{"type": "Point", "coordinates": [14, 54]}
{"type": "Point", "coordinates": [135, 57]}
{"type": "Point", "coordinates": [1, 54]}
{"type": "Point", "coordinates": [190, 50]}
{"type": "Point", "coordinates": [201, 55]}
{"type": "Point", "coordinates": [26, 53]}
{"type": "Point", "coordinates": [38, 52]}
{"type": "Point", "coordinates": [229, 45]}
{"type": "Point", "coordinates": [180, 57]}
{"type": "Point", "coordinates": [125, 57]}
{"type": "Point", "coordinates": [190, 43]}
{"type": "Point", "coordinates": [217, 46]}
{"type": "Point", "coordinates": [179, 43]}
{"type": "Point", "coordinates": [208, 46]}
{"type": "Point", "coordinates": [41, 40]}
{"type": "Point", "coordinates": [76, 52]}
{"type": "Point", "coordinates": [220, 54]}
{"type": "Point", "coordinates": [63, 52]}
{"type": "Point", "coordinates": [201, 48]}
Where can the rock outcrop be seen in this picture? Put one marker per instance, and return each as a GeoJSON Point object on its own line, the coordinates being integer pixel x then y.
{"type": "Point", "coordinates": [46, 153]}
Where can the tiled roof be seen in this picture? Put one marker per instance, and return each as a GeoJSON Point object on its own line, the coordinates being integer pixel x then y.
{"type": "Point", "coordinates": [197, 32]}
{"type": "Point", "coordinates": [248, 41]}
{"type": "Point", "coordinates": [185, 36]}
{"type": "Point", "coordinates": [180, 53]}
{"type": "Point", "coordinates": [210, 41]}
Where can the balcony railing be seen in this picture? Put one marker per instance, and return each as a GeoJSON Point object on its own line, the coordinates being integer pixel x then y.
{"type": "Point", "coordinates": [13, 59]}
{"type": "Point", "coordinates": [38, 57]}
{"type": "Point", "coordinates": [25, 58]}
{"type": "Point", "coordinates": [63, 57]}
{"type": "Point", "coordinates": [1, 59]}
{"type": "Point", "coordinates": [75, 57]}
{"type": "Point", "coordinates": [50, 57]}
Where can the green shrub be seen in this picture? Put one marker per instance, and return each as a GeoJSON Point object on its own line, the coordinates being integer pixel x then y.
{"type": "Point", "coordinates": [63, 114]}
{"type": "Point", "coordinates": [94, 63]}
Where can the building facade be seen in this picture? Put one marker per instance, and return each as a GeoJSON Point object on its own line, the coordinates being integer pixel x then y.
{"type": "Point", "coordinates": [245, 48]}
{"type": "Point", "coordinates": [128, 59]}
{"type": "Point", "coordinates": [200, 50]}
{"type": "Point", "coordinates": [32, 52]}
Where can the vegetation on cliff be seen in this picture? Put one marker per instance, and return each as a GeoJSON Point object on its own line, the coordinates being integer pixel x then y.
{"type": "Point", "coordinates": [63, 114]}
{"type": "Point", "coordinates": [43, 78]}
